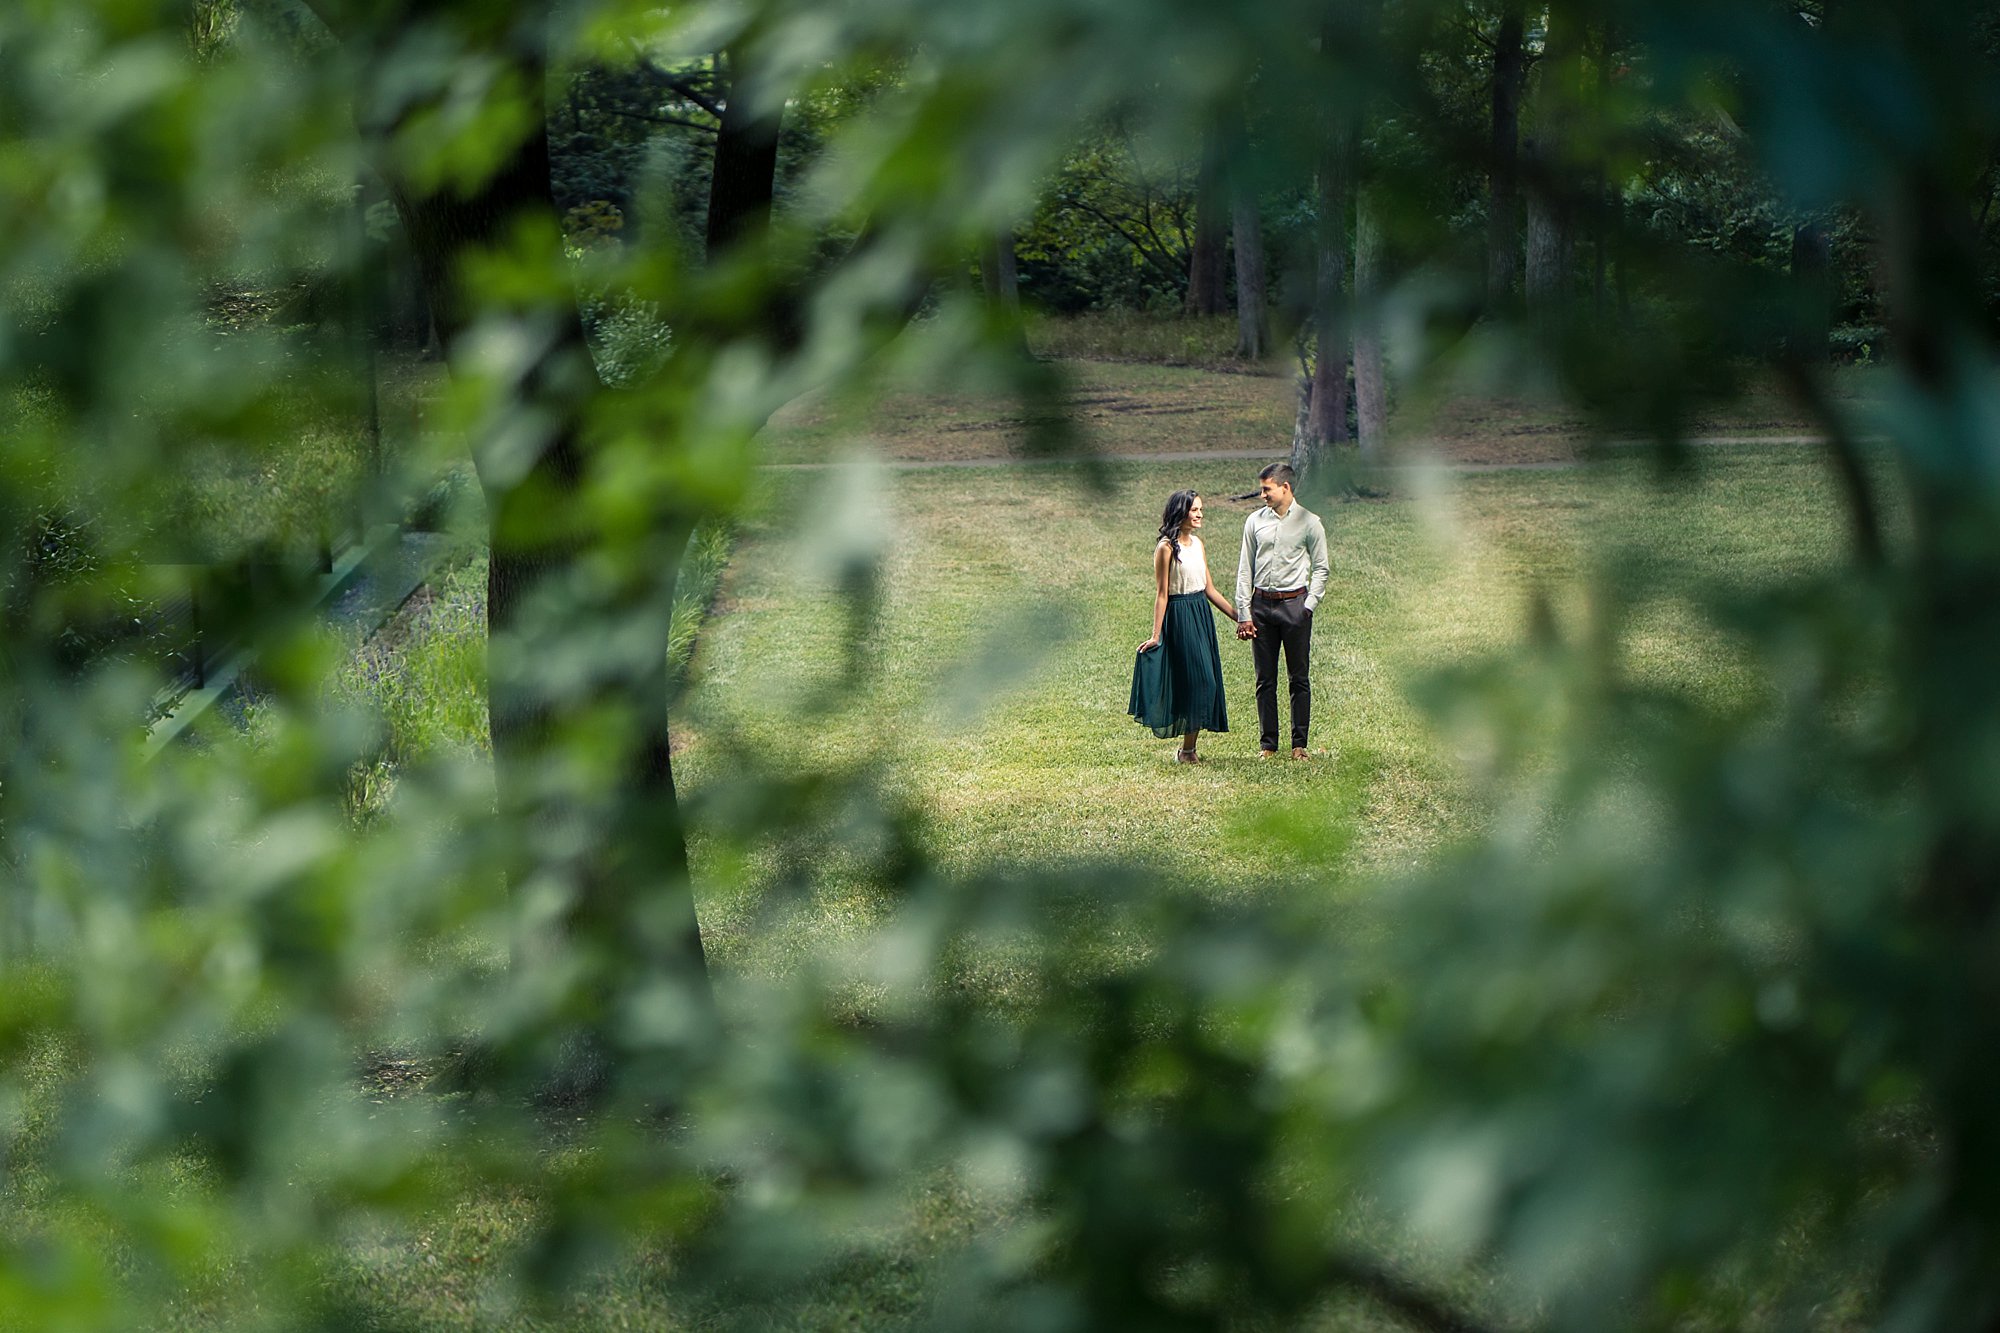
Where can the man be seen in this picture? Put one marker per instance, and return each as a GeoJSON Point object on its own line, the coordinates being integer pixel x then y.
{"type": "Point", "coordinates": [1280, 577]}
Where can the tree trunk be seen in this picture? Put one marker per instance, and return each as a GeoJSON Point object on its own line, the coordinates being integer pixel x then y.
{"type": "Point", "coordinates": [1548, 246]}
{"type": "Point", "coordinates": [1810, 339]}
{"type": "Point", "coordinates": [1000, 274]}
{"type": "Point", "coordinates": [1208, 276]}
{"type": "Point", "coordinates": [1371, 386]}
{"type": "Point", "coordinates": [1253, 320]}
{"type": "Point", "coordinates": [1503, 212]}
{"type": "Point", "coordinates": [391, 273]}
{"type": "Point", "coordinates": [624, 864]}
{"type": "Point", "coordinates": [1597, 243]}
{"type": "Point", "coordinates": [1331, 313]}
{"type": "Point", "coordinates": [1600, 210]}
{"type": "Point", "coordinates": [743, 181]}
{"type": "Point", "coordinates": [366, 334]}
{"type": "Point", "coordinates": [638, 851]}
{"type": "Point", "coordinates": [1302, 443]}
{"type": "Point", "coordinates": [1812, 279]}
{"type": "Point", "coordinates": [1550, 238]}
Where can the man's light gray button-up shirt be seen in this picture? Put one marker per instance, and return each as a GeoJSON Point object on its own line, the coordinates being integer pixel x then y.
{"type": "Point", "coordinates": [1280, 554]}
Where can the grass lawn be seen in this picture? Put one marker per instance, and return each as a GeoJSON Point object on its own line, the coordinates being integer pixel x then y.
{"type": "Point", "coordinates": [1141, 408]}
{"type": "Point", "coordinates": [980, 676]}
{"type": "Point", "coordinates": [998, 660]}
{"type": "Point", "coordinates": [985, 687]}
{"type": "Point", "coordinates": [1118, 408]}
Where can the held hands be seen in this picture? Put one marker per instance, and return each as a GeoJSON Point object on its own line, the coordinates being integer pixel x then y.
{"type": "Point", "coordinates": [1245, 630]}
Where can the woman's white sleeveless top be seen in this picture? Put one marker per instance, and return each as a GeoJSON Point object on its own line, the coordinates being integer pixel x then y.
{"type": "Point", "coordinates": [1189, 573]}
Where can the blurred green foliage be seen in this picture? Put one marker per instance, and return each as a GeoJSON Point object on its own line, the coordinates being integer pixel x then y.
{"type": "Point", "coordinates": [1699, 1031]}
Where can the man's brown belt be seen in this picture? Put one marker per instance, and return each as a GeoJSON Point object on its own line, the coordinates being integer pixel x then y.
{"type": "Point", "coordinates": [1270, 596]}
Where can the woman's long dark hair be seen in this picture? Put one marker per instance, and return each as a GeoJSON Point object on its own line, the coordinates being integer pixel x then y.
{"type": "Point", "coordinates": [1175, 515]}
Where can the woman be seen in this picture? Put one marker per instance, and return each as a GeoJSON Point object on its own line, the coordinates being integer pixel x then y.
{"type": "Point", "coordinates": [1177, 679]}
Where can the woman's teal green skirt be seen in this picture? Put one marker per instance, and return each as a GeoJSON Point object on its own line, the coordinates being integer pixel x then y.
{"type": "Point", "coordinates": [1177, 687]}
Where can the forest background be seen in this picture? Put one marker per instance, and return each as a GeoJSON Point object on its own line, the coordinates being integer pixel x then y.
{"type": "Point", "coordinates": [357, 981]}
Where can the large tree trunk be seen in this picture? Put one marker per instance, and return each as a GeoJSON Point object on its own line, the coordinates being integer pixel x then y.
{"type": "Point", "coordinates": [403, 313]}
{"type": "Point", "coordinates": [1812, 277]}
{"type": "Point", "coordinates": [1302, 446]}
{"type": "Point", "coordinates": [1000, 274]}
{"type": "Point", "coordinates": [1599, 230]}
{"type": "Point", "coordinates": [1253, 320]}
{"type": "Point", "coordinates": [1551, 231]}
{"type": "Point", "coordinates": [1601, 199]}
{"type": "Point", "coordinates": [1371, 384]}
{"type": "Point", "coordinates": [636, 850]}
{"type": "Point", "coordinates": [1810, 337]}
{"type": "Point", "coordinates": [743, 180]}
{"type": "Point", "coordinates": [612, 858]}
{"type": "Point", "coordinates": [1327, 418]}
{"type": "Point", "coordinates": [1208, 276]}
{"type": "Point", "coordinates": [1549, 246]}
{"type": "Point", "coordinates": [1503, 166]}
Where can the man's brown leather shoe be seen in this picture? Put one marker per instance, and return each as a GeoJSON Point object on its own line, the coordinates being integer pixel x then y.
{"type": "Point", "coordinates": [1298, 752]}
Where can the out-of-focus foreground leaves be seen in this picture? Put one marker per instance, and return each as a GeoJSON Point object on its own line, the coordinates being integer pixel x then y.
{"type": "Point", "coordinates": [1702, 1029]}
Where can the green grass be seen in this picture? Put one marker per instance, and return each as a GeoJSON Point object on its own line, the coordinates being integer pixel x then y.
{"type": "Point", "coordinates": [1123, 335]}
{"type": "Point", "coordinates": [422, 677]}
{"type": "Point", "coordinates": [288, 500]}
{"type": "Point", "coordinates": [997, 665]}
{"type": "Point", "coordinates": [424, 673]}
{"type": "Point", "coordinates": [1012, 599]}
{"type": "Point", "coordinates": [984, 689]}
{"type": "Point", "coordinates": [694, 591]}
{"type": "Point", "coordinates": [1116, 408]}
{"type": "Point", "coordinates": [1133, 394]}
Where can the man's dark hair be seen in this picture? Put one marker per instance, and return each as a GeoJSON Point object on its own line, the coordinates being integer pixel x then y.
{"type": "Point", "coordinates": [1279, 472]}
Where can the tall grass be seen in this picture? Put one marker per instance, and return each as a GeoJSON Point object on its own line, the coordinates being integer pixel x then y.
{"type": "Point", "coordinates": [422, 677]}
{"type": "Point", "coordinates": [424, 674]}
{"type": "Point", "coordinates": [694, 592]}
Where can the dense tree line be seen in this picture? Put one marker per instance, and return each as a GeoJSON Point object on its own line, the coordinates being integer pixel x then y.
{"type": "Point", "coordinates": [1523, 153]}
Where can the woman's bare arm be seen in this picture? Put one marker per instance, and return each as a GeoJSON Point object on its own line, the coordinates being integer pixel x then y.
{"type": "Point", "coordinates": [1163, 555]}
{"type": "Point", "coordinates": [1221, 602]}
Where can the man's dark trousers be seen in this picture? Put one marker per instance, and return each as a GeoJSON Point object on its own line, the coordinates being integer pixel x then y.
{"type": "Point", "coordinates": [1285, 624]}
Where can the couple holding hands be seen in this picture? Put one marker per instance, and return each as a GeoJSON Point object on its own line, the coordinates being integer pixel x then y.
{"type": "Point", "coordinates": [1280, 578]}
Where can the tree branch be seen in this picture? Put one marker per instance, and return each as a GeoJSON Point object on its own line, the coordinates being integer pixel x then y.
{"type": "Point", "coordinates": [1131, 240]}
{"type": "Point", "coordinates": [1180, 230]}
{"type": "Point", "coordinates": [655, 119]}
{"type": "Point", "coordinates": [1145, 219]}
{"type": "Point", "coordinates": [1178, 219]}
{"type": "Point", "coordinates": [685, 85]}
